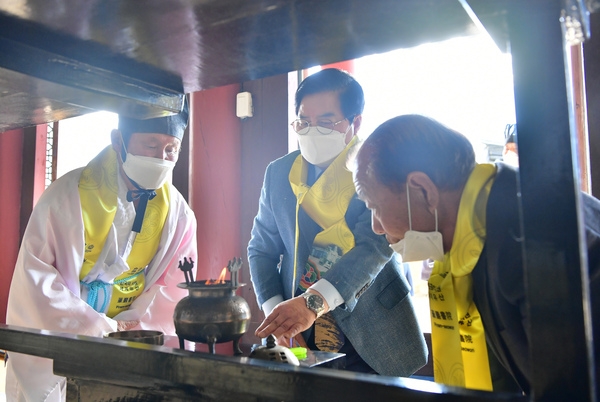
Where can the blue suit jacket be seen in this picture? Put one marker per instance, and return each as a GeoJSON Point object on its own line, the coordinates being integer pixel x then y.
{"type": "Point", "coordinates": [378, 315]}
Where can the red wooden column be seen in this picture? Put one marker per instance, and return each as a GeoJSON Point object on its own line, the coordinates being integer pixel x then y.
{"type": "Point", "coordinates": [22, 179]}
{"type": "Point", "coordinates": [347, 65]}
{"type": "Point", "coordinates": [215, 168]}
{"type": "Point", "coordinates": [11, 146]}
{"type": "Point", "coordinates": [33, 174]}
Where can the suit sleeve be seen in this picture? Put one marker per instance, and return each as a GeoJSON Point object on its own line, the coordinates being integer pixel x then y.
{"type": "Point", "coordinates": [592, 231]}
{"type": "Point", "coordinates": [359, 267]}
{"type": "Point", "coordinates": [266, 246]}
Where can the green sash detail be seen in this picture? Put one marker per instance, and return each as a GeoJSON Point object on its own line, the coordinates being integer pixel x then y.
{"type": "Point", "coordinates": [98, 192]}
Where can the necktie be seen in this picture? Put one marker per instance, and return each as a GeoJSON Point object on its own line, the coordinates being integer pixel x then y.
{"type": "Point", "coordinates": [328, 335]}
{"type": "Point", "coordinates": [144, 196]}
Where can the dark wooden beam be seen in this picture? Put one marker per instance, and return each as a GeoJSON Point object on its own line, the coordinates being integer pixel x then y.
{"type": "Point", "coordinates": [556, 267]}
{"type": "Point", "coordinates": [137, 371]}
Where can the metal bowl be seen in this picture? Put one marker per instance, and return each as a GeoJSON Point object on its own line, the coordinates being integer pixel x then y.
{"type": "Point", "coordinates": [141, 335]}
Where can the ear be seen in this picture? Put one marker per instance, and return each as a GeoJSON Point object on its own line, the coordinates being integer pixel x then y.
{"type": "Point", "coordinates": [116, 138]}
{"type": "Point", "coordinates": [357, 122]}
{"type": "Point", "coordinates": [421, 186]}
{"type": "Point", "coordinates": [117, 141]}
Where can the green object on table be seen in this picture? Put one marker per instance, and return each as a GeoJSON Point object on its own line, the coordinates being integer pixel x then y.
{"type": "Point", "coordinates": [299, 352]}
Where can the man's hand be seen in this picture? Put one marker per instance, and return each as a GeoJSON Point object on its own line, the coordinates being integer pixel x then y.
{"type": "Point", "coordinates": [287, 320]}
{"type": "Point", "coordinates": [299, 341]}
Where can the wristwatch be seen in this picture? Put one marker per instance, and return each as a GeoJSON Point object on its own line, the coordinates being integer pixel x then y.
{"type": "Point", "coordinates": [314, 303]}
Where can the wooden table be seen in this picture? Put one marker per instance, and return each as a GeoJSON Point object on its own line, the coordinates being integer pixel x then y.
{"type": "Point", "coordinates": [102, 369]}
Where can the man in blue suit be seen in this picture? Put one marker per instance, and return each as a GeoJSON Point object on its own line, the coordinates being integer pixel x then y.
{"type": "Point", "coordinates": [320, 274]}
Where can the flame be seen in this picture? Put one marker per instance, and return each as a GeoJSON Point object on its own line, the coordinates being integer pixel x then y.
{"type": "Point", "coordinates": [219, 281]}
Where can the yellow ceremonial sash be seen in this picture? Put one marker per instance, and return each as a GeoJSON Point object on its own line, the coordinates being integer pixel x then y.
{"type": "Point", "coordinates": [98, 188]}
{"type": "Point", "coordinates": [457, 333]}
{"type": "Point", "coordinates": [326, 201]}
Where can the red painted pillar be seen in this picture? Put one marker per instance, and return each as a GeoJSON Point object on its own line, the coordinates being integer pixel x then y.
{"type": "Point", "coordinates": [39, 173]}
{"type": "Point", "coordinates": [11, 149]}
{"type": "Point", "coordinates": [347, 65]}
{"type": "Point", "coordinates": [215, 183]}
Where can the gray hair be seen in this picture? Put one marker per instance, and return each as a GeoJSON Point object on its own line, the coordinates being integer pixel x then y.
{"type": "Point", "coordinates": [411, 143]}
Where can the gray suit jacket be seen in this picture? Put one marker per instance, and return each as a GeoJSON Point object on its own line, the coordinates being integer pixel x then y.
{"type": "Point", "coordinates": [378, 315]}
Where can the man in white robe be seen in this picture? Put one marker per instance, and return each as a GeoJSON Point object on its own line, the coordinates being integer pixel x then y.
{"type": "Point", "coordinates": [50, 289]}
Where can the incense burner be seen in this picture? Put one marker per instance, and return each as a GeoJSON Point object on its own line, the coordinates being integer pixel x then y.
{"type": "Point", "coordinates": [210, 314]}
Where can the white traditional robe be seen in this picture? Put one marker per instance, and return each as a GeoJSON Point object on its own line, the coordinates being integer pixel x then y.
{"type": "Point", "coordinates": [46, 294]}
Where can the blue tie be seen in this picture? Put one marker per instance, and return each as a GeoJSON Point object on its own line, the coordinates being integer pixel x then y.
{"type": "Point", "coordinates": [144, 196]}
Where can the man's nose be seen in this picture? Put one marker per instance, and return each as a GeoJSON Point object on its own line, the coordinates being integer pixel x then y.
{"type": "Point", "coordinates": [376, 225]}
{"type": "Point", "coordinates": [156, 153]}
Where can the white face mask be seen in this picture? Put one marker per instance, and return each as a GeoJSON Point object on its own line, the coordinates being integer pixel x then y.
{"type": "Point", "coordinates": [419, 246]}
{"type": "Point", "coordinates": [149, 173]}
{"type": "Point", "coordinates": [319, 149]}
{"type": "Point", "coordinates": [511, 158]}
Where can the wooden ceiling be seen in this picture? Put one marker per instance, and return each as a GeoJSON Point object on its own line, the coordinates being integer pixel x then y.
{"type": "Point", "coordinates": [62, 58]}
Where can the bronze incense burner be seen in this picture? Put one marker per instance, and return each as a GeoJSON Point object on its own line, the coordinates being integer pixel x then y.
{"type": "Point", "coordinates": [212, 312]}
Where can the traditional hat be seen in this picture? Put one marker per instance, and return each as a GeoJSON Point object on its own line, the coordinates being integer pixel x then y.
{"type": "Point", "coordinates": [174, 125]}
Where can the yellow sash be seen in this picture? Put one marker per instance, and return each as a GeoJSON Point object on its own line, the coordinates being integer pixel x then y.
{"type": "Point", "coordinates": [326, 203]}
{"type": "Point", "coordinates": [98, 188]}
{"type": "Point", "coordinates": [457, 333]}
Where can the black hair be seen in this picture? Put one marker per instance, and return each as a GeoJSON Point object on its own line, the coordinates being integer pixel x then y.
{"type": "Point", "coordinates": [351, 95]}
{"type": "Point", "coordinates": [410, 143]}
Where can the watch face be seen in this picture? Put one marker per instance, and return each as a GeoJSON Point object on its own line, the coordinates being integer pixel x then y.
{"type": "Point", "coordinates": [315, 302]}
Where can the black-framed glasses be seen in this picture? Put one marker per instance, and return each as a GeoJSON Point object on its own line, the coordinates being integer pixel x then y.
{"type": "Point", "coordinates": [510, 133]}
{"type": "Point", "coordinates": [324, 127]}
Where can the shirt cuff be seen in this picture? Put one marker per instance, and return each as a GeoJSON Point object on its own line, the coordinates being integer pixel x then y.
{"type": "Point", "coordinates": [329, 293]}
{"type": "Point", "coordinates": [270, 304]}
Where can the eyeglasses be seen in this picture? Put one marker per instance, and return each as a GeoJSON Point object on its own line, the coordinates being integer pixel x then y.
{"type": "Point", "coordinates": [510, 131]}
{"type": "Point", "coordinates": [323, 126]}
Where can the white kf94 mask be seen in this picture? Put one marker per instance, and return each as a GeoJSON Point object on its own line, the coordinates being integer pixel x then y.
{"type": "Point", "coordinates": [419, 246]}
